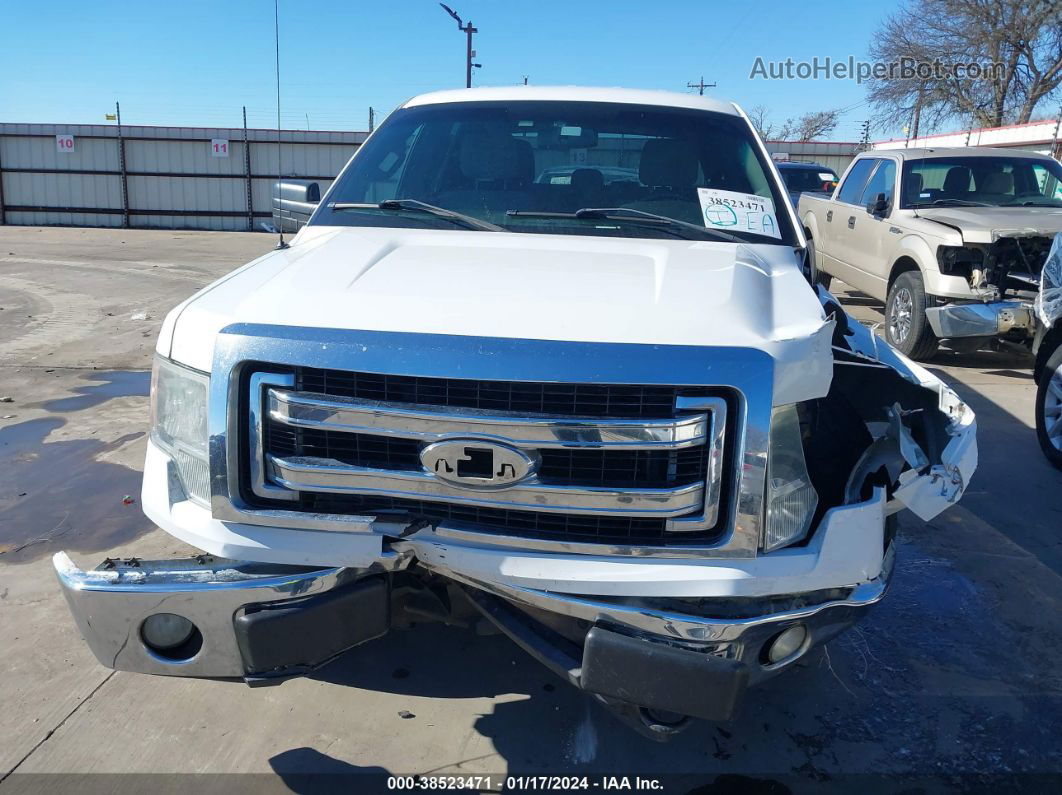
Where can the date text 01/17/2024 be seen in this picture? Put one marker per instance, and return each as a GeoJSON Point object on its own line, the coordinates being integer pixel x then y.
{"type": "Point", "coordinates": [528, 783]}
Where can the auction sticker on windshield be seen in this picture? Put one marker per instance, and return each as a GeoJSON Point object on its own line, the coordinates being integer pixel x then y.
{"type": "Point", "coordinates": [738, 212]}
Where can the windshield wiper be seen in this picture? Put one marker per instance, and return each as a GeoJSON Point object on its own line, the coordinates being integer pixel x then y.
{"type": "Point", "coordinates": [628, 214]}
{"type": "Point", "coordinates": [946, 202]}
{"type": "Point", "coordinates": [414, 205]}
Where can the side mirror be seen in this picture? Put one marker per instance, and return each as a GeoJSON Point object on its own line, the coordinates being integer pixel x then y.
{"type": "Point", "coordinates": [294, 202]}
{"type": "Point", "coordinates": [879, 207]}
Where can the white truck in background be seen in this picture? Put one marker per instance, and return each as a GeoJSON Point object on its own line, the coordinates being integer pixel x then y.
{"type": "Point", "coordinates": [608, 414]}
{"type": "Point", "coordinates": [952, 241]}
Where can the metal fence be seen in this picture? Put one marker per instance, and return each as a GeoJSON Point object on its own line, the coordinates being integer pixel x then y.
{"type": "Point", "coordinates": [193, 177]}
{"type": "Point", "coordinates": [157, 177]}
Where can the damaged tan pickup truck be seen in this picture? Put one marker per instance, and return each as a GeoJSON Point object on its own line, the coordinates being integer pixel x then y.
{"type": "Point", "coordinates": [608, 416]}
{"type": "Point", "coordinates": [952, 240]}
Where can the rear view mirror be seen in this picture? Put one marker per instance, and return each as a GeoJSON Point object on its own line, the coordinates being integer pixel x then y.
{"type": "Point", "coordinates": [565, 136]}
{"type": "Point", "coordinates": [293, 203]}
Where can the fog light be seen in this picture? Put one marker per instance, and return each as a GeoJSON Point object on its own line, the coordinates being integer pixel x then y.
{"type": "Point", "coordinates": [787, 643]}
{"type": "Point", "coordinates": [165, 631]}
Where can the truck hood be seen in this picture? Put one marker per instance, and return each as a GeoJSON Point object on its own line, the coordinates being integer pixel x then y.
{"type": "Point", "coordinates": [556, 287]}
{"type": "Point", "coordinates": [988, 224]}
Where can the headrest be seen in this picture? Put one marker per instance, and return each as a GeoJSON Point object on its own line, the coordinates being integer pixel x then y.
{"type": "Point", "coordinates": [912, 186]}
{"type": "Point", "coordinates": [998, 182]}
{"type": "Point", "coordinates": [667, 161]}
{"type": "Point", "coordinates": [489, 155]}
{"type": "Point", "coordinates": [587, 180]}
{"type": "Point", "coordinates": [957, 180]}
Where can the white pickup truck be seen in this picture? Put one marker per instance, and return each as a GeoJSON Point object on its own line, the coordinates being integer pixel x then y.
{"type": "Point", "coordinates": [953, 241]}
{"type": "Point", "coordinates": [609, 416]}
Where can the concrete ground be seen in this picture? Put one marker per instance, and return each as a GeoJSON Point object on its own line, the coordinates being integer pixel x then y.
{"type": "Point", "coordinates": [952, 681]}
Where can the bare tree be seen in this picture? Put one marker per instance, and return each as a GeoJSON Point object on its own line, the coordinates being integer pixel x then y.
{"type": "Point", "coordinates": [1017, 42]}
{"type": "Point", "coordinates": [815, 125]}
{"type": "Point", "coordinates": [761, 120]}
{"type": "Point", "coordinates": [806, 128]}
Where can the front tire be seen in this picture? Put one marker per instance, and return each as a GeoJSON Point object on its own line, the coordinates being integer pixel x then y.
{"type": "Point", "coordinates": [906, 325]}
{"type": "Point", "coordinates": [1049, 409]}
{"type": "Point", "coordinates": [817, 276]}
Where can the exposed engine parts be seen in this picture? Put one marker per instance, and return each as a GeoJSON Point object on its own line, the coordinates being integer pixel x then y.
{"type": "Point", "coordinates": [1012, 265]}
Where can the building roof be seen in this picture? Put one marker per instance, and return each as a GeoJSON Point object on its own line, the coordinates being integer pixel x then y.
{"type": "Point", "coordinates": [921, 153]}
{"type": "Point", "coordinates": [629, 96]}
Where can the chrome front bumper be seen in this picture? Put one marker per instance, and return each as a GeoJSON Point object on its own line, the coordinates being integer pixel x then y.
{"type": "Point", "coordinates": [219, 597]}
{"type": "Point", "coordinates": [239, 608]}
{"type": "Point", "coordinates": [981, 320]}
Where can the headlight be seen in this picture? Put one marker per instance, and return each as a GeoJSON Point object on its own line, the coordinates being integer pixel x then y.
{"type": "Point", "coordinates": [179, 423]}
{"type": "Point", "coordinates": [958, 260]}
{"type": "Point", "coordinates": [791, 499]}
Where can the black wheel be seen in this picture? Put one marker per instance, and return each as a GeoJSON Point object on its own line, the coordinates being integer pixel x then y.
{"type": "Point", "coordinates": [1049, 409]}
{"type": "Point", "coordinates": [906, 325]}
{"type": "Point", "coordinates": [817, 275]}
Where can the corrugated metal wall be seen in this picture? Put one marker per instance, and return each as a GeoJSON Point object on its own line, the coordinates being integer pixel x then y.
{"type": "Point", "coordinates": [836, 155]}
{"type": "Point", "coordinates": [172, 179]}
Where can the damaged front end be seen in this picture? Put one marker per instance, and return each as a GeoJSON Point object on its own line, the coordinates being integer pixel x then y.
{"type": "Point", "coordinates": [1004, 274]}
{"type": "Point", "coordinates": [805, 499]}
{"type": "Point", "coordinates": [922, 438]}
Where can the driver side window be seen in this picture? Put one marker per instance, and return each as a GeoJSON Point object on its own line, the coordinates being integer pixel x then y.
{"type": "Point", "coordinates": [883, 181]}
{"type": "Point", "coordinates": [852, 187]}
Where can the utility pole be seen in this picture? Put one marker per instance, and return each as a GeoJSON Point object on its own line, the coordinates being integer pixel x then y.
{"type": "Point", "coordinates": [372, 118]}
{"type": "Point", "coordinates": [916, 116]}
{"type": "Point", "coordinates": [1055, 150]}
{"type": "Point", "coordinates": [700, 86]}
{"type": "Point", "coordinates": [864, 139]}
{"type": "Point", "coordinates": [468, 30]}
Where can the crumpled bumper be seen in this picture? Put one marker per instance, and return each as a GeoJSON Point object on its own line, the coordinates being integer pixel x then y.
{"type": "Point", "coordinates": [266, 622]}
{"type": "Point", "coordinates": [981, 320]}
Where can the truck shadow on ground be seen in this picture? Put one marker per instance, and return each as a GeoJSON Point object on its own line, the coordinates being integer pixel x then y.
{"type": "Point", "coordinates": [307, 771]}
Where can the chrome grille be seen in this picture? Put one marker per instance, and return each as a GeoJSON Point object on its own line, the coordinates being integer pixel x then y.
{"type": "Point", "coordinates": [582, 467]}
{"type": "Point", "coordinates": [575, 400]}
{"type": "Point", "coordinates": [625, 465]}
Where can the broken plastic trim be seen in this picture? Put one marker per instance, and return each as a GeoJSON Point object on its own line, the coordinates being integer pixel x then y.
{"type": "Point", "coordinates": [924, 445]}
{"type": "Point", "coordinates": [1048, 303]}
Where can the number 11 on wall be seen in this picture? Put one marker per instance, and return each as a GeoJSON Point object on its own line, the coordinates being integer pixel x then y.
{"type": "Point", "coordinates": [219, 147]}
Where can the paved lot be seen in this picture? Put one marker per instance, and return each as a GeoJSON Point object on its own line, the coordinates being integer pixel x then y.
{"type": "Point", "coordinates": [955, 674]}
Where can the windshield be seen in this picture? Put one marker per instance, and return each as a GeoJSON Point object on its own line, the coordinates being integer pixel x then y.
{"type": "Point", "coordinates": [530, 166]}
{"type": "Point", "coordinates": [982, 181]}
{"type": "Point", "coordinates": [818, 179]}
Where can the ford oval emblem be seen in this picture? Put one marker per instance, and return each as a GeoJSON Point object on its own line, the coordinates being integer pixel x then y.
{"type": "Point", "coordinates": [476, 463]}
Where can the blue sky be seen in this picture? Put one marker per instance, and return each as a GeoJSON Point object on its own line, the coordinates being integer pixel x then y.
{"type": "Point", "coordinates": [192, 62]}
